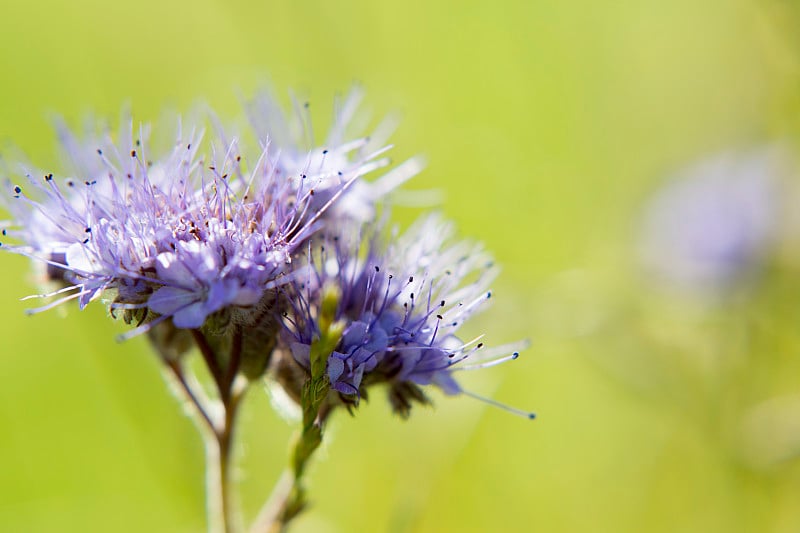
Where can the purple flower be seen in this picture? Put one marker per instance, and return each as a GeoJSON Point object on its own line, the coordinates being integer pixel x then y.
{"type": "Point", "coordinates": [401, 306]}
{"type": "Point", "coordinates": [345, 153]}
{"type": "Point", "coordinates": [185, 233]}
{"type": "Point", "coordinates": [717, 221]}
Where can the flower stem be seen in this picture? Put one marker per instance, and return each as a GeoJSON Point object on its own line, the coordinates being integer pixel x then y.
{"type": "Point", "coordinates": [215, 419]}
{"type": "Point", "coordinates": [219, 462]}
{"type": "Point", "coordinates": [269, 518]}
{"type": "Point", "coordinates": [289, 498]}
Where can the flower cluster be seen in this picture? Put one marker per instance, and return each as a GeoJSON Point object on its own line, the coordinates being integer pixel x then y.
{"type": "Point", "coordinates": [272, 260]}
{"type": "Point", "coordinates": [400, 305]}
{"type": "Point", "coordinates": [237, 241]}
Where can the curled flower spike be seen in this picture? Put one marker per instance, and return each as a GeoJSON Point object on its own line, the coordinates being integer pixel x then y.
{"type": "Point", "coordinates": [400, 307]}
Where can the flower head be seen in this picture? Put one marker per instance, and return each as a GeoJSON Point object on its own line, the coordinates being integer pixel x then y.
{"type": "Point", "coordinates": [184, 233]}
{"type": "Point", "coordinates": [400, 307]}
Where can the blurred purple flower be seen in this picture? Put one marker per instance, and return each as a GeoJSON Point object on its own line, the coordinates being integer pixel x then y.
{"type": "Point", "coordinates": [717, 220]}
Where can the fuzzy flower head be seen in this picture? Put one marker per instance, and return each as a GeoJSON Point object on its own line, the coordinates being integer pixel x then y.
{"type": "Point", "coordinates": [401, 306]}
{"type": "Point", "coordinates": [181, 234]}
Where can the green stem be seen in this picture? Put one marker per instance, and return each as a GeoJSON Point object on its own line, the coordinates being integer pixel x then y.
{"type": "Point", "coordinates": [289, 497]}
{"type": "Point", "coordinates": [269, 519]}
{"type": "Point", "coordinates": [219, 456]}
{"type": "Point", "coordinates": [216, 424]}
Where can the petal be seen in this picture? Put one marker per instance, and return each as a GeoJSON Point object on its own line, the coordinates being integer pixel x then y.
{"type": "Point", "coordinates": [81, 258]}
{"type": "Point", "coordinates": [191, 317]}
{"type": "Point", "coordinates": [335, 368]}
{"type": "Point", "coordinates": [171, 268]}
{"type": "Point", "coordinates": [168, 300]}
{"type": "Point", "coordinates": [301, 353]}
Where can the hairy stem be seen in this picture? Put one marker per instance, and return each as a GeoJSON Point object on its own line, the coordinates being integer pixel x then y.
{"type": "Point", "coordinates": [199, 404]}
{"type": "Point", "coordinates": [269, 517]}
{"type": "Point", "coordinates": [289, 499]}
{"type": "Point", "coordinates": [215, 418]}
{"type": "Point", "coordinates": [219, 457]}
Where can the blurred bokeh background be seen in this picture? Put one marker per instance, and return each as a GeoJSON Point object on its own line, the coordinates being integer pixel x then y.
{"type": "Point", "coordinates": [630, 165]}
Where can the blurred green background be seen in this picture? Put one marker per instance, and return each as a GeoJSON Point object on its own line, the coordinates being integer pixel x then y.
{"type": "Point", "coordinates": [547, 124]}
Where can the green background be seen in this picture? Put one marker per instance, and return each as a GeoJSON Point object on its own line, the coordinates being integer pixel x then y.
{"type": "Point", "coordinates": [546, 124]}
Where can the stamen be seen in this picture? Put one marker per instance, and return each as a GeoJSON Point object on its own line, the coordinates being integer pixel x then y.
{"type": "Point", "coordinates": [489, 364]}
{"type": "Point", "coordinates": [494, 403]}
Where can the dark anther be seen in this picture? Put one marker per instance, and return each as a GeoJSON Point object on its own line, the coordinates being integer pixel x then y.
{"type": "Point", "coordinates": [324, 152]}
{"type": "Point", "coordinates": [189, 146]}
{"type": "Point", "coordinates": [49, 177]}
{"type": "Point", "coordinates": [86, 240]}
{"type": "Point", "coordinates": [88, 230]}
{"type": "Point", "coordinates": [411, 279]}
{"type": "Point", "coordinates": [99, 151]}
{"type": "Point", "coordinates": [133, 153]}
{"type": "Point", "coordinates": [377, 268]}
{"type": "Point", "coordinates": [441, 303]}
{"type": "Point", "coordinates": [480, 345]}
{"type": "Point", "coordinates": [17, 189]}
{"type": "Point", "coordinates": [440, 317]}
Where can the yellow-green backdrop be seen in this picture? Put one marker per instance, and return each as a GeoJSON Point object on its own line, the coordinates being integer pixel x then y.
{"type": "Point", "coordinates": [546, 123]}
